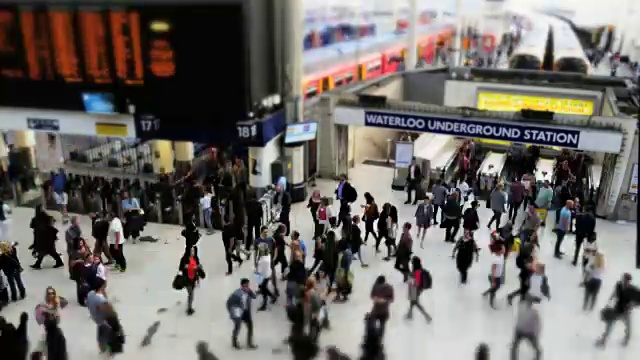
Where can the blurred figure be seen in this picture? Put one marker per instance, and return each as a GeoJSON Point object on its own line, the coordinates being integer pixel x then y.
{"type": "Point", "coordinates": [12, 269]}
{"type": "Point", "coordinates": [528, 327]}
{"type": "Point", "coordinates": [46, 235]}
{"type": "Point", "coordinates": [5, 220]}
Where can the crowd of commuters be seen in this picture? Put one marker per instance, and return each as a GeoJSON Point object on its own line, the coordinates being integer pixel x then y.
{"type": "Point", "coordinates": [312, 279]}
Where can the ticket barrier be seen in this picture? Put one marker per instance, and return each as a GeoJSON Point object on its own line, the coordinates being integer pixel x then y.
{"type": "Point", "coordinates": [153, 209]}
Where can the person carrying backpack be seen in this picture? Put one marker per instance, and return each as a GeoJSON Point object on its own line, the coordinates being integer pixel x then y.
{"type": "Point", "coordinates": [419, 281]}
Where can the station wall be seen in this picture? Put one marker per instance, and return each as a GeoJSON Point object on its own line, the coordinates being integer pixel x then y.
{"type": "Point", "coordinates": [624, 211]}
{"type": "Point", "coordinates": [425, 87]}
{"type": "Point", "coordinates": [260, 160]}
{"type": "Point", "coordinates": [67, 122]}
{"type": "Point", "coordinates": [371, 143]}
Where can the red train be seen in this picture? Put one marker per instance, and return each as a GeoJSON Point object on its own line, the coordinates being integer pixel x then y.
{"type": "Point", "coordinates": [340, 64]}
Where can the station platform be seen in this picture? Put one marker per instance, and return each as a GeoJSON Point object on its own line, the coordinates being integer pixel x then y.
{"type": "Point", "coordinates": [462, 318]}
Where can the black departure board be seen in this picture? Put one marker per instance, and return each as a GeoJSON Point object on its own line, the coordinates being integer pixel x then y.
{"type": "Point", "coordinates": [184, 64]}
{"type": "Point", "coordinates": [88, 46]}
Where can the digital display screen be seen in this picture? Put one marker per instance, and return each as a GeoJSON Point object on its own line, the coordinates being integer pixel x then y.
{"type": "Point", "coordinates": [301, 132]}
{"type": "Point", "coordinates": [184, 64]}
{"type": "Point", "coordinates": [83, 46]}
{"type": "Point", "coordinates": [513, 102]}
{"type": "Point", "coordinates": [99, 103]}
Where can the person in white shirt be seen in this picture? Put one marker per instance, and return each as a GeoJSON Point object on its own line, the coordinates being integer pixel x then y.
{"type": "Point", "coordinates": [5, 220]}
{"type": "Point", "coordinates": [205, 204]}
{"type": "Point", "coordinates": [465, 192]}
{"type": "Point", "coordinates": [589, 250]}
{"type": "Point", "coordinates": [414, 177]}
{"type": "Point", "coordinates": [538, 285]}
{"type": "Point", "coordinates": [593, 281]}
{"type": "Point", "coordinates": [496, 273]}
{"type": "Point", "coordinates": [263, 273]}
{"type": "Point", "coordinates": [101, 270]}
{"type": "Point", "coordinates": [116, 241]}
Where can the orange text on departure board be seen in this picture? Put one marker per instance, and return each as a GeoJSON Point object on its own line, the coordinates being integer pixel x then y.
{"type": "Point", "coordinates": [127, 50]}
{"type": "Point", "coordinates": [162, 62]}
{"type": "Point", "coordinates": [8, 48]}
{"type": "Point", "coordinates": [94, 38]}
{"type": "Point", "coordinates": [66, 57]}
{"type": "Point", "coordinates": [27, 25]}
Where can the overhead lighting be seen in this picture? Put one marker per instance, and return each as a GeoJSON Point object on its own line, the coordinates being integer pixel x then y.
{"type": "Point", "coordinates": [159, 26]}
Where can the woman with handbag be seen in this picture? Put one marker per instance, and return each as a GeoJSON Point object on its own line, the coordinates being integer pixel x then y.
{"type": "Point", "coordinates": [191, 274]}
{"type": "Point", "coordinates": [392, 228]}
{"type": "Point", "coordinates": [10, 266]}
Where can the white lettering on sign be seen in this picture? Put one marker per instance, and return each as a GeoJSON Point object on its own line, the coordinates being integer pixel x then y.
{"type": "Point", "coordinates": [470, 128]}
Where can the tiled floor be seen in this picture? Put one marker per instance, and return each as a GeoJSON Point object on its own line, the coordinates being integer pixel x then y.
{"type": "Point", "coordinates": [462, 319]}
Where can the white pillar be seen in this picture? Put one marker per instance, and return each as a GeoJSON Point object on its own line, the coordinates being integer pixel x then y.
{"type": "Point", "coordinates": [459, 34]}
{"type": "Point", "coordinates": [293, 29]}
{"type": "Point", "coordinates": [412, 55]}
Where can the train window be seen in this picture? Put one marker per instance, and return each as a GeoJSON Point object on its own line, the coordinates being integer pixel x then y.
{"type": "Point", "coordinates": [311, 92]}
{"type": "Point", "coordinates": [349, 78]}
{"type": "Point", "coordinates": [340, 80]}
{"type": "Point", "coordinates": [374, 67]}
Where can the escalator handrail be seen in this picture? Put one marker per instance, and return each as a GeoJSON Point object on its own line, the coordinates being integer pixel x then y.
{"type": "Point", "coordinates": [450, 162]}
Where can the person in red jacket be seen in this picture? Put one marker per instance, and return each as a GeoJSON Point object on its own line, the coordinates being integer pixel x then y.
{"type": "Point", "coordinates": [418, 282]}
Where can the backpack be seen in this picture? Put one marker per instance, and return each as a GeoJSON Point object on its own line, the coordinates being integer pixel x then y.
{"type": "Point", "coordinates": [426, 280]}
{"type": "Point", "coordinates": [322, 214]}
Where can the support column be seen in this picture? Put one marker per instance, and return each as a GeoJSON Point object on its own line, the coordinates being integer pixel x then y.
{"type": "Point", "coordinates": [412, 57]}
{"type": "Point", "coordinates": [457, 48]}
{"type": "Point", "coordinates": [24, 143]}
{"type": "Point", "coordinates": [184, 155]}
{"type": "Point", "coordinates": [295, 173]}
{"type": "Point", "coordinates": [293, 71]}
{"type": "Point", "coordinates": [162, 156]}
{"type": "Point", "coordinates": [4, 154]}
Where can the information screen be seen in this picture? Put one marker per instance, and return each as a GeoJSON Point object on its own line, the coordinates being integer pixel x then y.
{"type": "Point", "coordinates": [513, 102]}
{"type": "Point", "coordinates": [81, 46]}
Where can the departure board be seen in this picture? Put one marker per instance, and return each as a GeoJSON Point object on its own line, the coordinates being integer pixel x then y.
{"type": "Point", "coordinates": [82, 46]}
{"type": "Point", "coordinates": [185, 65]}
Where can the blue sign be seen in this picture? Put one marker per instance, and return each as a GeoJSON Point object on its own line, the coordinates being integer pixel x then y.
{"type": "Point", "coordinates": [43, 124]}
{"type": "Point", "coordinates": [527, 134]}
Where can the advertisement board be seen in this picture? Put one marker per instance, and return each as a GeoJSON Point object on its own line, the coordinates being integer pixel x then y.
{"type": "Point", "coordinates": [493, 101]}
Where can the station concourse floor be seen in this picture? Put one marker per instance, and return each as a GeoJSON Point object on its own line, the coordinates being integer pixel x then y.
{"type": "Point", "coordinates": [461, 317]}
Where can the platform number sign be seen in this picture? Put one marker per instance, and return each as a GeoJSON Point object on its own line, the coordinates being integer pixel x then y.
{"type": "Point", "coordinates": [150, 124]}
{"type": "Point", "coordinates": [247, 131]}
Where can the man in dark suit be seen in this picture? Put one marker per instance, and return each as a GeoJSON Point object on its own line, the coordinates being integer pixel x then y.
{"type": "Point", "coordinates": [414, 178]}
{"type": "Point", "coordinates": [239, 308]}
{"type": "Point", "coordinates": [346, 194]}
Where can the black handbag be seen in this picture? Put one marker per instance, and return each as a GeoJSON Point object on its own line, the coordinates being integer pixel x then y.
{"type": "Point", "coordinates": [201, 273]}
{"type": "Point", "coordinates": [608, 314]}
{"type": "Point", "coordinates": [178, 282]}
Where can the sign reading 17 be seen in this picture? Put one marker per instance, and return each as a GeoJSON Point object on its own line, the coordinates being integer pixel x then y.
{"type": "Point", "coordinates": [247, 131]}
{"type": "Point", "coordinates": [150, 124]}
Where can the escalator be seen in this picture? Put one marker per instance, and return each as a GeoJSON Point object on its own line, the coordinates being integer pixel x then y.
{"type": "Point", "coordinates": [489, 172]}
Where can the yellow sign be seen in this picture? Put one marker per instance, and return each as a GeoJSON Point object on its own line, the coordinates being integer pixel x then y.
{"type": "Point", "coordinates": [104, 129]}
{"type": "Point", "coordinates": [512, 102]}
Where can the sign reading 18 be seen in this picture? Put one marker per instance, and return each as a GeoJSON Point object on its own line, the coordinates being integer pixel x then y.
{"type": "Point", "coordinates": [247, 131]}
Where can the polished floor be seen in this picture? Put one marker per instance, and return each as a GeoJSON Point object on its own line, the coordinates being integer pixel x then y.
{"type": "Point", "coordinates": [462, 318]}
